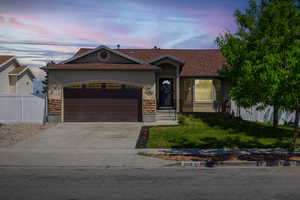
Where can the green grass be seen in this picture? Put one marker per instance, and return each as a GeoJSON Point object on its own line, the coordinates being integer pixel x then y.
{"type": "Point", "coordinates": [211, 133]}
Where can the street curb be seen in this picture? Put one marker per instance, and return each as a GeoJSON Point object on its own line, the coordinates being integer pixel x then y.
{"type": "Point", "coordinates": [239, 164]}
{"type": "Point", "coordinates": [207, 152]}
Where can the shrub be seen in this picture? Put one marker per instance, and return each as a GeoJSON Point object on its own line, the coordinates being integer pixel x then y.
{"type": "Point", "coordinates": [181, 119]}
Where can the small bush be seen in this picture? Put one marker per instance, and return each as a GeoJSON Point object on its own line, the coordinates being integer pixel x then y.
{"type": "Point", "coordinates": [182, 119]}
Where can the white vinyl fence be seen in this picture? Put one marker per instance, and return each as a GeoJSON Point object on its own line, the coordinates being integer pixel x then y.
{"type": "Point", "coordinates": [265, 115]}
{"type": "Point", "coordinates": [22, 109]}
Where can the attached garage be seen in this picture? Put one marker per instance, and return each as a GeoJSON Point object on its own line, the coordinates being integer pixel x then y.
{"type": "Point", "coordinates": [104, 104]}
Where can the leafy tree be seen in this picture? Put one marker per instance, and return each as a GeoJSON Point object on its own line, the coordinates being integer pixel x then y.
{"type": "Point", "coordinates": [290, 88]}
{"type": "Point", "coordinates": [265, 33]}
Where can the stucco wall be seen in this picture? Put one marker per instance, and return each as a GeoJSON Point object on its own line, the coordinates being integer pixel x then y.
{"type": "Point", "coordinates": [4, 79]}
{"type": "Point", "coordinates": [58, 79]}
{"type": "Point", "coordinates": [24, 84]}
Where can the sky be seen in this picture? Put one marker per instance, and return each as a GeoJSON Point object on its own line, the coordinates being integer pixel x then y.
{"type": "Point", "coordinates": [37, 31]}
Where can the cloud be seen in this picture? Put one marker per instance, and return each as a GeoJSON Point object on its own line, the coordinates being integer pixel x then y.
{"type": "Point", "coordinates": [38, 73]}
{"type": "Point", "coordinates": [199, 42]}
{"type": "Point", "coordinates": [37, 31]}
{"type": "Point", "coordinates": [14, 22]}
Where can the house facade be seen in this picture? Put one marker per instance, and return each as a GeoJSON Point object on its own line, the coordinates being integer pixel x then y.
{"type": "Point", "coordinates": [14, 78]}
{"type": "Point", "coordinates": [104, 84]}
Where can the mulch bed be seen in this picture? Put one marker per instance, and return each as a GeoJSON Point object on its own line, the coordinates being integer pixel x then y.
{"type": "Point", "coordinates": [143, 138]}
{"type": "Point", "coordinates": [216, 158]}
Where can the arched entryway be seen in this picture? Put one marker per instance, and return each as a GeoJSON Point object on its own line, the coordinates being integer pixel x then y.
{"type": "Point", "coordinates": [102, 102]}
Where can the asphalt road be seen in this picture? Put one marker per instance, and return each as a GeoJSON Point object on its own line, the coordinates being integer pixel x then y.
{"type": "Point", "coordinates": [163, 183]}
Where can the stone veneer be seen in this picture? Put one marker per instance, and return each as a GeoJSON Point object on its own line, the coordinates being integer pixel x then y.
{"type": "Point", "coordinates": [54, 107]}
{"type": "Point", "coordinates": [149, 106]}
{"type": "Point", "coordinates": [149, 111]}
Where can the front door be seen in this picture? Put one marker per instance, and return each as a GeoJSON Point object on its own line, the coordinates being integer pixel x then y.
{"type": "Point", "coordinates": [166, 92]}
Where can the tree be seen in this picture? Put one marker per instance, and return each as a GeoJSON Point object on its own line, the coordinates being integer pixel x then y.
{"type": "Point", "coordinates": [265, 33]}
{"type": "Point", "coordinates": [45, 81]}
{"type": "Point", "coordinates": [45, 84]}
{"type": "Point", "coordinates": [290, 89]}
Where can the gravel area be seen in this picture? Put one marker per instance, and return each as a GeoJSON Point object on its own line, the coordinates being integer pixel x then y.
{"type": "Point", "coordinates": [12, 133]}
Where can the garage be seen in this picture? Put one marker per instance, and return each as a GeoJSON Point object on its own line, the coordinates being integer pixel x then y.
{"type": "Point", "coordinates": [120, 104]}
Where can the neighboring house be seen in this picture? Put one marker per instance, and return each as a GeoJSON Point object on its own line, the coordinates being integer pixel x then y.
{"type": "Point", "coordinates": [104, 84]}
{"type": "Point", "coordinates": [14, 78]}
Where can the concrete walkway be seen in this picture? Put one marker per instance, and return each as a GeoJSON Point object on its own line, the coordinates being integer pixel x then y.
{"type": "Point", "coordinates": [81, 144]}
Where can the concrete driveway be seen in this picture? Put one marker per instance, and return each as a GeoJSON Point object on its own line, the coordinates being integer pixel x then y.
{"type": "Point", "coordinates": [81, 145]}
{"type": "Point", "coordinates": [82, 136]}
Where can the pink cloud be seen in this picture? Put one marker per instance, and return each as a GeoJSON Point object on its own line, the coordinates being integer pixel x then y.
{"type": "Point", "coordinates": [15, 23]}
{"type": "Point", "coordinates": [2, 20]}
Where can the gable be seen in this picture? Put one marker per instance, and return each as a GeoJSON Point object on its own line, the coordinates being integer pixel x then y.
{"type": "Point", "coordinates": [167, 58]}
{"type": "Point", "coordinates": [96, 58]}
{"type": "Point", "coordinates": [7, 63]}
{"type": "Point", "coordinates": [4, 77]}
{"type": "Point", "coordinates": [95, 55]}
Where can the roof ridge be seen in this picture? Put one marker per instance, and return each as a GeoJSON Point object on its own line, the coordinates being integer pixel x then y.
{"type": "Point", "coordinates": [173, 49]}
{"type": "Point", "coordinates": [162, 49]}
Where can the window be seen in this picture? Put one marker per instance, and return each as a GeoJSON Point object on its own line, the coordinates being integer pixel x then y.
{"type": "Point", "coordinates": [204, 90]}
{"type": "Point", "coordinates": [103, 55]}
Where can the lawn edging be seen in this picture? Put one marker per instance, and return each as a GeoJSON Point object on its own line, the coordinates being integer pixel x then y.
{"type": "Point", "coordinates": [208, 152]}
{"type": "Point", "coordinates": [222, 157]}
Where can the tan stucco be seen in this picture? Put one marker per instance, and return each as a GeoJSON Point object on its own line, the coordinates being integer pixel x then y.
{"type": "Point", "coordinates": [61, 78]}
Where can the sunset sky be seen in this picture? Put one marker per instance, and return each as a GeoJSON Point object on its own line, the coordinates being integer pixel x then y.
{"type": "Point", "coordinates": [37, 31]}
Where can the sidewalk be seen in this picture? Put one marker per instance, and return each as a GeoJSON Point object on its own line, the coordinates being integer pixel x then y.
{"type": "Point", "coordinates": [79, 158]}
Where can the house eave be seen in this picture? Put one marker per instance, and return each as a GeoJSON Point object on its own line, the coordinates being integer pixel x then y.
{"type": "Point", "coordinates": [203, 76]}
{"type": "Point", "coordinates": [100, 69]}
{"type": "Point", "coordinates": [167, 57]}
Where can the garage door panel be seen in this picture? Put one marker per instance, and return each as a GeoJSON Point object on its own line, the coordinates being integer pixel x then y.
{"type": "Point", "coordinates": [92, 105]}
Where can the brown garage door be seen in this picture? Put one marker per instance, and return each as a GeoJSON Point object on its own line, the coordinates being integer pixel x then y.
{"type": "Point", "coordinates": [102, 105]}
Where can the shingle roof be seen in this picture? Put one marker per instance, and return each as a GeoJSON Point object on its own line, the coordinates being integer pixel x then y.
{"type": "Point", "coordinates": [17, 70]}
{"type": "Point", "coordinates": [104, 66]}
{"type": "Point", "coordinates": [3, 59]}
{"type": "Point", "coordinates": [198, 62]}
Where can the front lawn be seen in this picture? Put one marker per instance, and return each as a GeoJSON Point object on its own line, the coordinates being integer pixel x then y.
{"type": "Point", "coordinates": [213, 133]}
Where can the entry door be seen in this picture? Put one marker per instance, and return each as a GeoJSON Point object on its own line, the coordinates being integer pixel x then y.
{"type": "Point", "coordinates": [166, 92]}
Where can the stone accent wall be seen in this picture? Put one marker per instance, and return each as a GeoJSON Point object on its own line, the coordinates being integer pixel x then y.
{"type": "Point", "coordinates": [149, 106]}
{"type": "Point", "coordinates": [54, 106]}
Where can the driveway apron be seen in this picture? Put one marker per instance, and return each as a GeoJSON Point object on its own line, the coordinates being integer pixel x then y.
{"type": "Point", "coordinates": [81, 145]}
{"type": "Point", "coordinates": [85, 136]}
